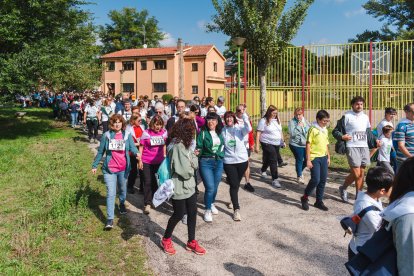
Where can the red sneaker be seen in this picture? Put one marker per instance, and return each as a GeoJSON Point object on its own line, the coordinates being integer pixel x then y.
{"type": "Point", "coordinates": [195, 247]}
{"type": "Point", "coordinates": [168, 246]}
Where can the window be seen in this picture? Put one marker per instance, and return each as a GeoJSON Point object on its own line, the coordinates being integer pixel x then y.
{"type": "Point", "coordinates": [160, 87]}
{"type": "Point", "coordinates": [143, 65]}
{"type": "Point", "coordinates": [215, 66]}
{"type": "Point", "coordinates": [194, 66]}
{"type": "Point", "coordinates": [127, 65]}
{"type": "Point", "coordinates": [110, 66]}
{"type": "Point", "coordinates": [127, 87]}
{"type": "Point", "coordinates": [195, 89]}
{"type": "Point", "coordinates": [160, 64]}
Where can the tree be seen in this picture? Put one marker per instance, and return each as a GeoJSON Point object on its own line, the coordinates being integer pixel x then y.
{"type": "Point", "coordinates": [49, 42]}
{"type": "Point", "coordinates": [130, 29]}
{"type": "Point", "coordinates": [398, 16]}
{"type": "Point", "coordinates": [266, 28]}
{"type": "Point", "coordinates": [230, 53]}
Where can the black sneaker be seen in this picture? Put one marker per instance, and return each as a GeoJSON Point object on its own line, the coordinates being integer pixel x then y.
{"type": "Point", "coordinates": [305, 203]}
{"type": "Point", "coordinates": [320, 205]}
{"type": "Point", "coordinates": [282, 164]}
{"type": "Point", "coordinates": [122, 209]}
{"type": "Point", "coordinates": [249, 187]}
{"type": "Point", "coordinates": [109, 224]}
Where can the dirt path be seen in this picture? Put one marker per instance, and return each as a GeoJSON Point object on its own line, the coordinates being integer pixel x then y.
{"type": "Point", "coordinates": [275, 236]}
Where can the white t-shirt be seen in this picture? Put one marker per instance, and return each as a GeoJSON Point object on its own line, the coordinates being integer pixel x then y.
{"type": "Point", "coordinates": [126, 114]}
{"type": "Point", "coordinates": [220, 110]}
{"type": "Point", "coordinates": [216, 141]}
{"type": "Point", "coordinates": [113, 106]}
{"type": "Point", "coordinates": [385, 150]}
{"type": "Point", "coordinates": [356, 125]}
{"type": "Point", "coordinates": [382, 124]}
{"type": "Point", "coordinates": [108, 111]}
{"type": "Point", "coordinates": [91, 111]}
{"type": "Point", "coordinates": [272, 133]}
{"type": "Point", "coordinates": [203, 112]}
{"type": "Point", "coordinates": [143, 113]}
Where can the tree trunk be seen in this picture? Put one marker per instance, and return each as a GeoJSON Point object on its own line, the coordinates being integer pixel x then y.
{"type": "Point", "coordinates": [262, 78]}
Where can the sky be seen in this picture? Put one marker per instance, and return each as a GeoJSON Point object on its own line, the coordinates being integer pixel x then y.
{"type": "Point", "coordinates": [328, 21]}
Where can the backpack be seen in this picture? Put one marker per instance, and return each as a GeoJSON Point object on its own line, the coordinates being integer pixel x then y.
{"type": "Point", "coordinates": [350, 224]}
{"type": "Point", "coordinates": [340, 146]}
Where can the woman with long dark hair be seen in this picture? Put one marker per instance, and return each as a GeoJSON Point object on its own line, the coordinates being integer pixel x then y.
{"type": "Point", "coordinates": [184, 201]}
{"type": "Point", "coordinates": [269, 134]}
{"type": "Point", "coordinates": [400, 216]}
{"type": "Point", "coordinates": [210, 144]}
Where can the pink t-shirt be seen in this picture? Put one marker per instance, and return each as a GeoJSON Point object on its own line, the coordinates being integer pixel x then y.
{"type": "Point", "coordinates": [153, 142]}
{"type": "Point", "coordinates": [118, 161]}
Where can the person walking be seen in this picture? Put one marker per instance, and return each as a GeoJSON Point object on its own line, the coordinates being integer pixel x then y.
{"type": "Point", "coordinates": [74, 109]}
{"type": "Point", "coordinates": [183, 163]}
{"type": "Point", "coordinates": [117, 144]}
{"type": "Point", "coordinates": [298, 129]}
{"type": "Point", "coordinates": [318, 160]}
{"type": "Point", "coordinates": [136, 132]}
{"type": "Point", "coordinates": [91, 119]}
{"type": "Point", "coordinates": [236, 158]}
{"type": "Point", "coordinates": [210, 146]}
{"type": "Point", "coordinates": [269, 134]}
{"type": "Point", "coordinates": [404, 135]}
{"type": "Point", "coordinates": [152, 147]}
{"type": "Point", "coordinates": [107, 112]}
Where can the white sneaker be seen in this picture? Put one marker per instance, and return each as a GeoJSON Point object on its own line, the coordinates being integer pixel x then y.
{"type": "Point", "coordinates": [214, 210]}
{"type": "Point", "coordinates": [264, 175]}
{"type": "Point", "coordinates": [276, 184]}
{"type": "Point", "coordinates": [301, 180]}
{"type": "Point", "coordinates": [236, 215]}
{"type": "Point", "coordinates": [208, 216]}
{"type": "Point", "coordinates": [184, 219]}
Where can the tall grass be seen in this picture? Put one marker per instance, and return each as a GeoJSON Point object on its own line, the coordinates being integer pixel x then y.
{"type": "Point", "coordinates": [52, 208]}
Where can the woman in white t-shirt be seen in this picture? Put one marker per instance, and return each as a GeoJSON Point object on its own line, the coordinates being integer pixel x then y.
{"type": "Point", "coordinates": [91, 118]}
{"type": "Point", "coordinates": [269, 134]}
{"type": "Point", "coordinates": [107, 112]}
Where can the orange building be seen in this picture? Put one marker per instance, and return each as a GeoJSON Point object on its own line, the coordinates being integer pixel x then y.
{"type": "Point", "coordinates": [155, 71]}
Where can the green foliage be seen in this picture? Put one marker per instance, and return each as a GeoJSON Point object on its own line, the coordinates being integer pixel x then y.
{"type": "Point", "coordinates": [53, 207]}
{"type": "Point", "coordinates": [398, 16]}
{"type": "Point", "coordinates": [130, 29]}
{"type": "Point", "coordinates": [266, 28]}
{"type": "Point", "coordinates": [167, 97]}
{"type": "Point", "coordinates": [47, 42]}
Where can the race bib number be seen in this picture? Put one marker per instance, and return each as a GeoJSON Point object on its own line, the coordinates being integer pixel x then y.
{"type": "Point", "coordinates": [359, 136]}
{"type": "Point", "coordinates": [157, 141]}
{"type": "Point", "coordinates": [116, 144]}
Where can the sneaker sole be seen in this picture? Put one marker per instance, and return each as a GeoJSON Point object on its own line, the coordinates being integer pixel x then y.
{"type": "Point", "coordinates": [107, 228]}
{"type": "Point", "coordinates": [191, 250]}
{"type": "Point", "coordinates": [168, 253]}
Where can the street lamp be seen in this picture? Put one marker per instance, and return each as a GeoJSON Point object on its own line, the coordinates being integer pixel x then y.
{"type": "Point", "coordinates": [239, 42]}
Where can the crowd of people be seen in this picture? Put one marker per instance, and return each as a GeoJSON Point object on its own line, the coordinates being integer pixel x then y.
{"type": "Point", "coordinates": [201, 139]}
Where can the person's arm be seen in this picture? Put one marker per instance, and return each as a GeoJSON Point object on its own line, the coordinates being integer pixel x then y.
{"type": "Point", "coordinates": [403, 234]}
{"type": "Point", "coordinates": [328, 154]}
{"type": "Point", "coordinates": [258, 134]}
{"type": "Point", "coordinates": [247, 126]}
{"type": "Point", "coordinates": [141, 150]}
{"type": "Point", "coordinates": [99, 154]}
{"type": "Point", "coordinates": [132, 146]}
{"type": "Point", "coordinates": [84, 116]}
{"type": "Point", "coordinates": [403, 149]}
{"type": "Point", "coordinates": [309, 164]}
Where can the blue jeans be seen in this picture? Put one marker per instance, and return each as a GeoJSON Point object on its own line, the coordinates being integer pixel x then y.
{"type": "Point", "coordinates": [319, 173]}
{"type": "Point", "coordinates": [74, 116]}
{"type": "Point", "coordinates": [300, 158]}
{"type": "Point", "coordinates": [111, 181]}
{"type": "Point", "coordinates": [211, 170]}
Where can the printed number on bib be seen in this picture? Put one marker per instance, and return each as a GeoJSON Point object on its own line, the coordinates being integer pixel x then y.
{"type": "Point", "coordinates": [157, 141]}
{"type": "Point", "coordinates": [359, 136]}
{"type": "Point", "coordinates": [116, 144]}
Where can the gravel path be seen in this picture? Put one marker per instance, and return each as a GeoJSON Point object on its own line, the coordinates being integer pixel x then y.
{"type": "Point", "coordinates": [275, 236]}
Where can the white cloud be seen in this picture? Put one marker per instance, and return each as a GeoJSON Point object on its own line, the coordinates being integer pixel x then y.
{"type": "Point", "coordinates": [168, 40]}
{"type": "Point", "coordinates": [201, 24]}
{"type": "Point", "coordinates": [353, 13]}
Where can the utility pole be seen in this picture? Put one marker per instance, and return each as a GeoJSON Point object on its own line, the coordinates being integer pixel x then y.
{"type": "Point", "coordinates": [180, 69]}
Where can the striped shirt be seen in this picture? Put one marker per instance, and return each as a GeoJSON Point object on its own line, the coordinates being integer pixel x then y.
{"type": "Point", "coordinates": [404, 132]}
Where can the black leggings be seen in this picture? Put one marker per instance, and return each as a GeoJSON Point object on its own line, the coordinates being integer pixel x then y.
{"type": "Point", "coordinates": [92, 128]}
{"type": "Point", "coordinates": [133, 172]}
{"type": "Point", "coordinates": [150, 182]}
{"type": "Point", "coordinates": [181, 207]}
{"type": "Point", "coordinates": [235, 174]}
{"type": "Point", "coordinates": [270, 158]}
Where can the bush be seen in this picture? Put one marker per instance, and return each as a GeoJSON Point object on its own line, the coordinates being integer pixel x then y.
{"type": "Point", "coordinates": [167, 97]}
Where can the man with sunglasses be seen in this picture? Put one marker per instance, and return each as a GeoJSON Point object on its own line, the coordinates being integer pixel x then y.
{"type": "Point", "coordinates": [179, 107]}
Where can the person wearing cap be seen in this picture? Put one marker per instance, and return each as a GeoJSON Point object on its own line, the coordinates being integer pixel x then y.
{"type": "Point", "coordinates": [220, 108]}
{"type": "Point", "coordinates": [134, 100]}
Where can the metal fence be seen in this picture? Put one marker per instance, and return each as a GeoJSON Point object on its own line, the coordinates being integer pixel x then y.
{"type": "Point", "coordinates": [328, 76]}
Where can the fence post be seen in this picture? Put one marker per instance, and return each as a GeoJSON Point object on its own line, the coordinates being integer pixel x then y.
{"type": "Point", "coordinates": [244, 75]}
{"type": "Point", "coordinates": [303, 79]}
{"type": "Point", "coordinates": [370, 82]}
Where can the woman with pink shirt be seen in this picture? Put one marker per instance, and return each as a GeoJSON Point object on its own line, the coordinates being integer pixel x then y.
{"type": "Point", "coordinates": [117, 143]}
{"type": "Point", "coordinates": [152, 146]}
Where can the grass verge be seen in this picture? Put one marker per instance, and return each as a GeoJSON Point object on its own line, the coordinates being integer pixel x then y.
{"type": "Point", "coordinates": [52, 209]}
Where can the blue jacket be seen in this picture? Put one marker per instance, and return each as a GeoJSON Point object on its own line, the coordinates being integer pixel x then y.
{"type": "Point", "coordinates": [103, 147]}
